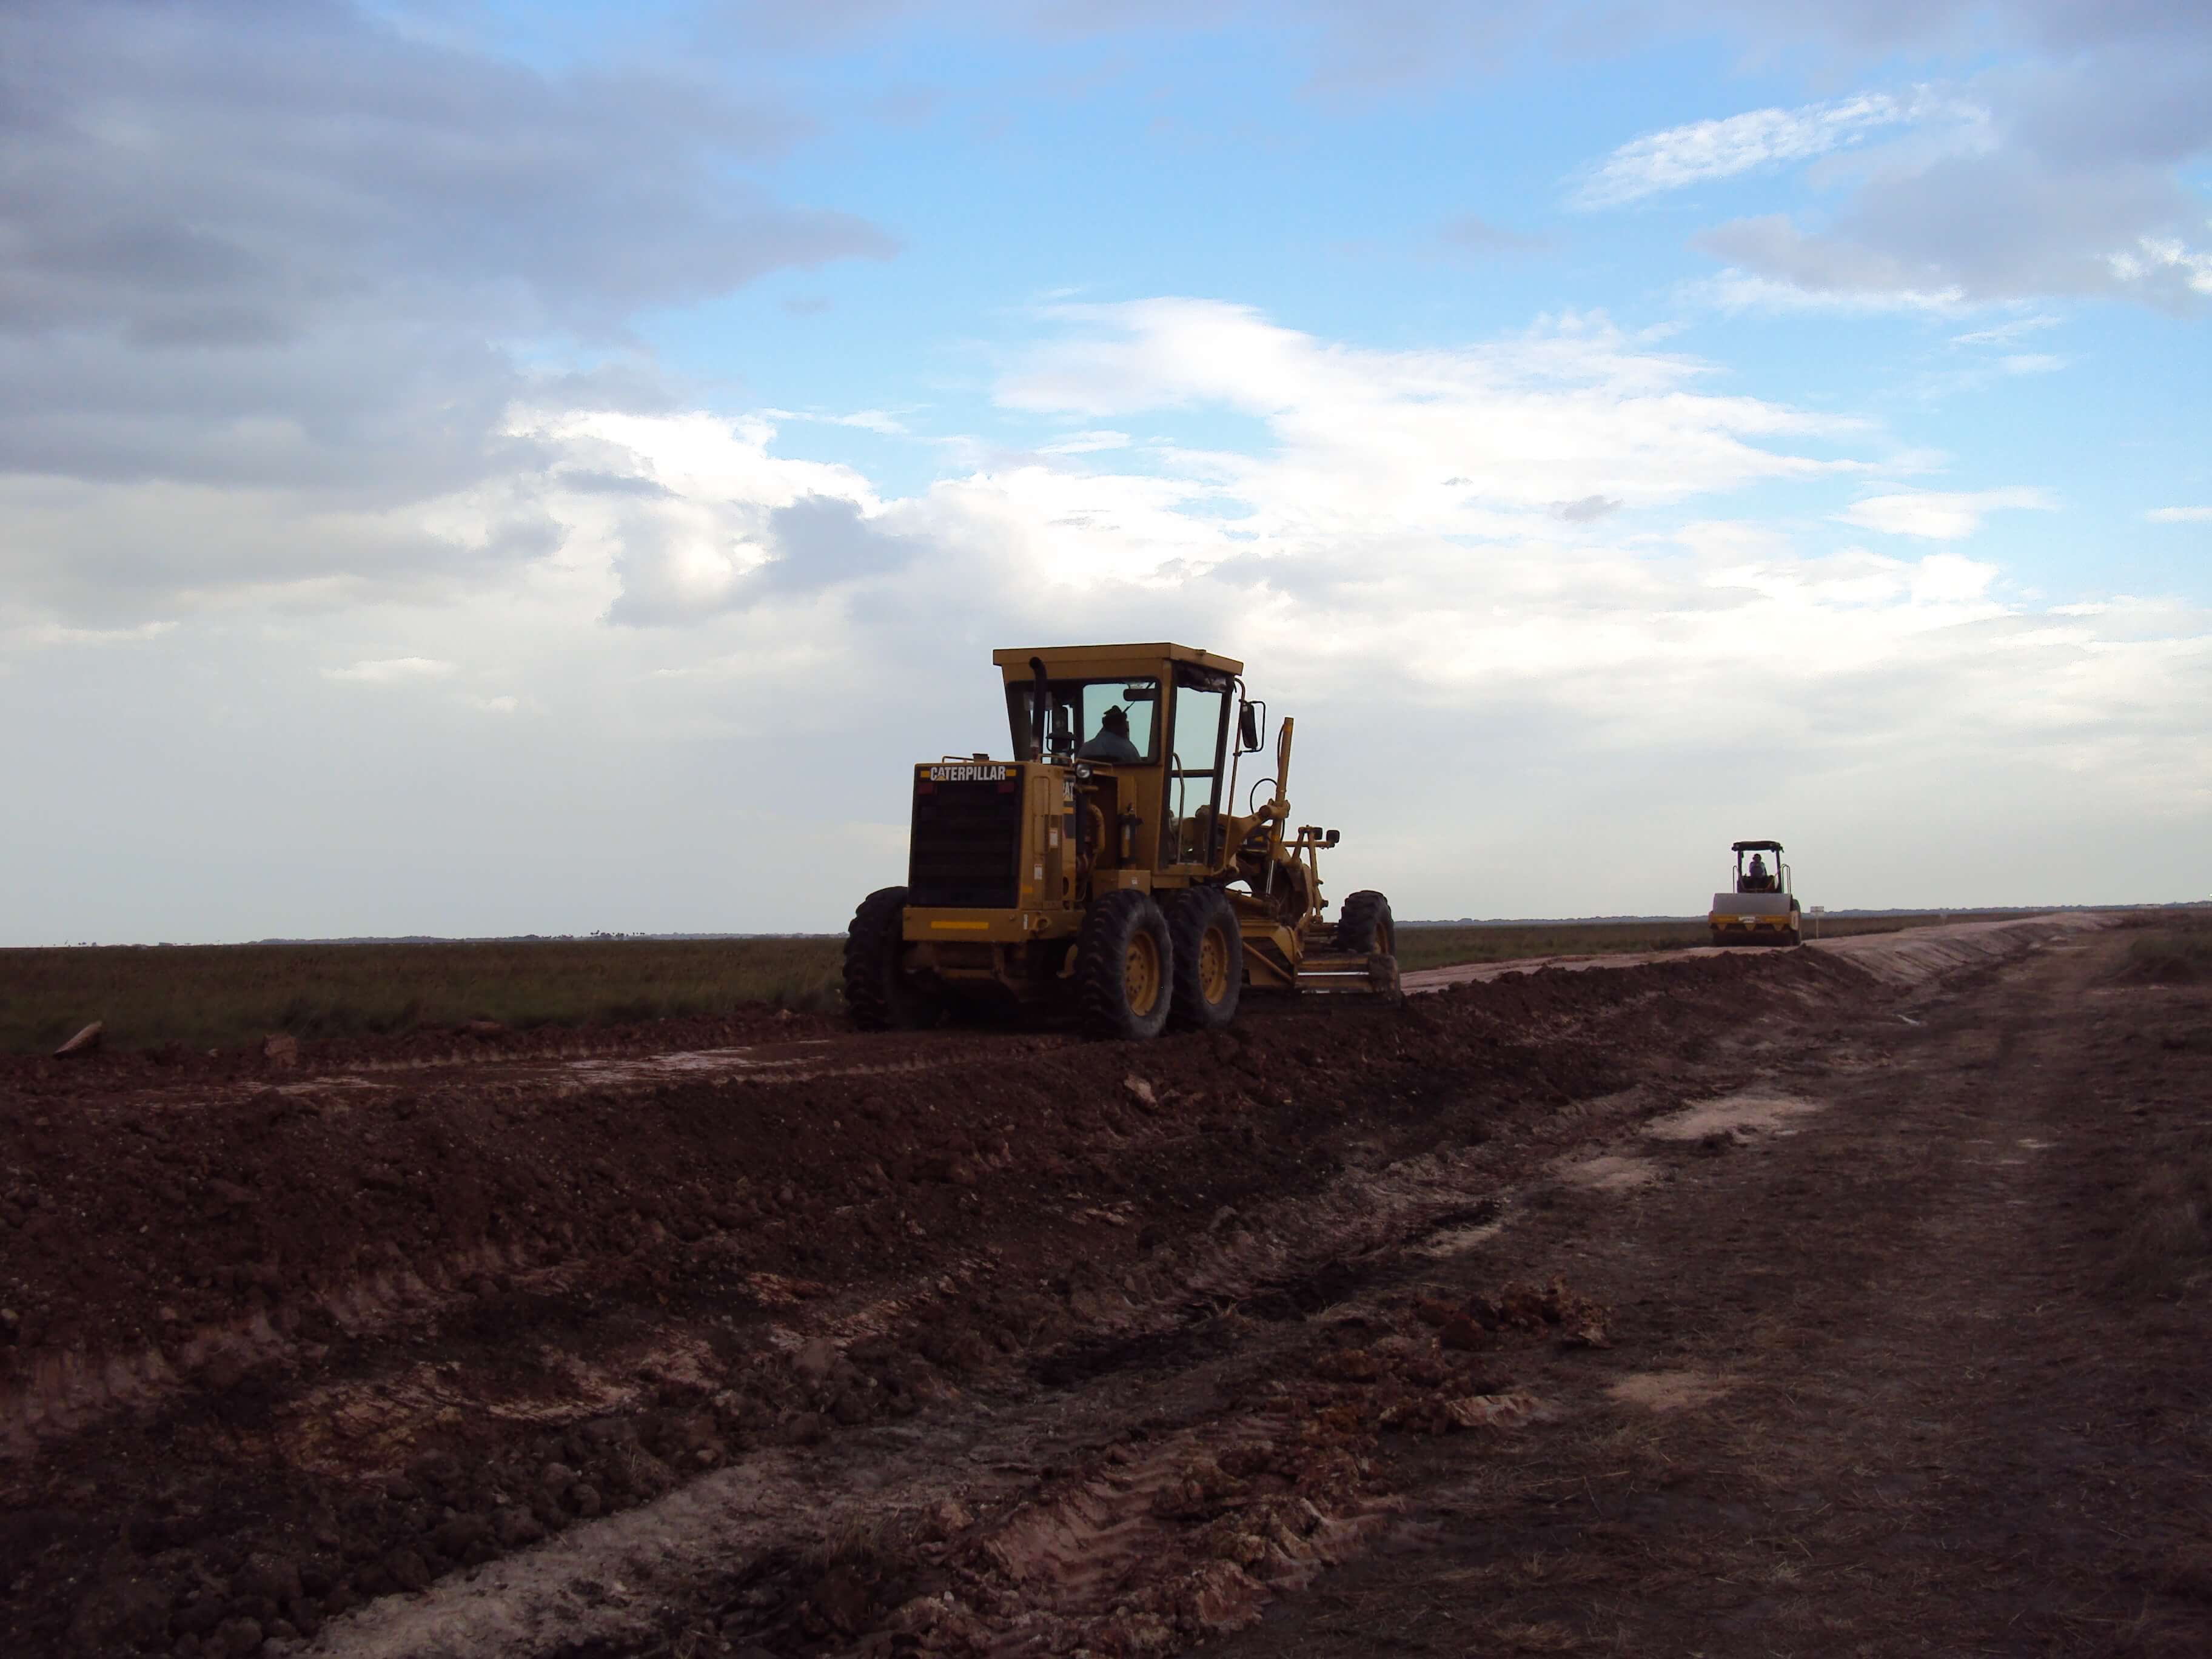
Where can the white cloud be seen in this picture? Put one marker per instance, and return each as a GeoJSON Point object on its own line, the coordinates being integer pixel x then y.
{"type": "Point", "coordinates": [1736, 290]}
{"type": "Point", "coordinates": [50, 633]}
{"type": "Point", "coordinates": [866, 420]}
{"type": "Point", "coordinates": [391, 671]}
{"type": "Point", "coordinates": [1756, 141]}
{"type": "Point", "coordinates": [2005, 333]}
{"type": "Point", "coordinates": [1086, 443]}
{"type": "Point", "coordinates": [2078, 182]}
{"type": "Point", "coordinates": [1935, 515]}
{"type": "Point", "coordinates": [1418, 555]}
{"type": "Point", "coordinates": [1359, 439]}
{"type": "Point", "coordinates": [2179, 516]}
{"type": "Point", "coordinates": [2164, 263]}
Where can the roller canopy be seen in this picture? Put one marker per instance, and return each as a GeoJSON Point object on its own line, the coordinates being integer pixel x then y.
{"type": "Point", "coordinates": [1755, 847]}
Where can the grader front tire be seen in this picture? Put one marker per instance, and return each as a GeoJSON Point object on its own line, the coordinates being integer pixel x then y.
{"type": "Point", "coordinates": [1125, 967]}
{"type": "Point", "coordinates": [1365, 927]}
{"type": "Point", "coordinates": [1209, 959]}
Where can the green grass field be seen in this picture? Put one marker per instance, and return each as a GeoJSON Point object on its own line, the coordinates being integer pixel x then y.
{"type": "Point", "coordinates": [219, 995]}
{"type": "Point", "coordinates": [216, 995]}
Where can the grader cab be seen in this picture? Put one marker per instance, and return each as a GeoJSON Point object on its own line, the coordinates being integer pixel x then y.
{"type": "Point", "coordinates": [1108, 870]}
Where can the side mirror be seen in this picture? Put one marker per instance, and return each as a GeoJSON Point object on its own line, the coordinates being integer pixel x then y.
{"type": "Point", "coordinates": [1247, 729]}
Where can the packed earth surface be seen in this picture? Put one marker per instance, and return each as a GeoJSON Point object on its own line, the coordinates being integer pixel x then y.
{"type": "Point", "coordinates": [1852, 1299]}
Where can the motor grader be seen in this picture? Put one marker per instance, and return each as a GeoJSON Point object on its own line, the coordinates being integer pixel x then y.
{"type": "Point", "coordinates": [1759, 909]}
{"type": "Point", "coordinates": [1107, 872]}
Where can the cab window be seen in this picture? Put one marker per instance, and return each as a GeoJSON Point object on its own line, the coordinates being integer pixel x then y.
{"type": "Point", "coordinates": [1079, 711]}
{"type": "Point", "coordinates": [1193, 780]}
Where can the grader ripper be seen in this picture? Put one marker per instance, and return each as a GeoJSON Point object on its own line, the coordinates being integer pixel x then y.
{"type": "Point", "coordinates": [1101, 870]}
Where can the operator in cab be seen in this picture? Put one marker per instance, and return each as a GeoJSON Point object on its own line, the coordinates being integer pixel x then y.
{"type": "Point", "coordinates": [1757, 880]}
{"type": "Point", "coordinates": [1112, 743]}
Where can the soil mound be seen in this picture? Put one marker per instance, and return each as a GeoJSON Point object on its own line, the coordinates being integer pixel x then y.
{"type": "Point", "coordinates": [302, 1333]}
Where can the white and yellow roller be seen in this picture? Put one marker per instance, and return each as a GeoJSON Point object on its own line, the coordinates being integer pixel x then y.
{"type": "Point", "coordinates": [1758, 908]}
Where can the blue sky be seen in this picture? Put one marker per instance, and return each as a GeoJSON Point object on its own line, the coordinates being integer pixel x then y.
{"type": "Point", "coordinates": [453, 457]}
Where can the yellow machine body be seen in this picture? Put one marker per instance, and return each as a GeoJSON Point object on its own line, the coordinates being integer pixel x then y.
{"type": "Point", "coordinates": [1009, 859]}
{"type": "Point", "coordinates": [1757, 908]}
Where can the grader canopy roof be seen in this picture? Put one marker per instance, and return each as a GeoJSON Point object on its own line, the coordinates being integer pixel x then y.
{"type": "Point", "coordinates": [1065, 661]}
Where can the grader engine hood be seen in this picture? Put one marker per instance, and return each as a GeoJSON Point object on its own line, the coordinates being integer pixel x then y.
{"type": "Point", "coordinates": [966, 846]}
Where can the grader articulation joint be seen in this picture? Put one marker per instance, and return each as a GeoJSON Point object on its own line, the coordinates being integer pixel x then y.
{"type": "Point", "coordinates": [1108, 870]}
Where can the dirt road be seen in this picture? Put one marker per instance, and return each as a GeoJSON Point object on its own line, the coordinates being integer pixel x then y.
{"type": "Point", "coordinates": [1564, 1312]}
{"type": "Point", "coordinates": [1905, 957]}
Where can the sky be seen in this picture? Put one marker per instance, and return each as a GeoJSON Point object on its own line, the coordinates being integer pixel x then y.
{"type": "Point", "coordinates": [487, 468]}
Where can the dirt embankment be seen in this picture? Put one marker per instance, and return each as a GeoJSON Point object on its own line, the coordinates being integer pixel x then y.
{"type": "Point", "coordinates": [284, 1344]}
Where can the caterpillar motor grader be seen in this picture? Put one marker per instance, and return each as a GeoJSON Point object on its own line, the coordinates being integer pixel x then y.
{"type": "Point", "coordinates": [1107, 871]}
{"type": "Point", "coordinates": [1760, 909]}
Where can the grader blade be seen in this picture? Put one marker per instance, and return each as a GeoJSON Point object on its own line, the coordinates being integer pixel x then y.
{"type": "Point", "coordinates": [1344, 972]}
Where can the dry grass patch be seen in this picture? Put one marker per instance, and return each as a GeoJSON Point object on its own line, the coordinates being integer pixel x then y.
{"type": "Point", "coordinates": [1440, 945]}
{"type": "Point", "coordinates": [2170, 957]}
{"type": "Point", "coordinates": [2166, 1248]}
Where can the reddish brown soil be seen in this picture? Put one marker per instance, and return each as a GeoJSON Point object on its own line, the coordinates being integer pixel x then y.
{"type": "Point", "coordinates": [872, 1348]}
{"type": "Point", "coordinates": [1927, 1375]}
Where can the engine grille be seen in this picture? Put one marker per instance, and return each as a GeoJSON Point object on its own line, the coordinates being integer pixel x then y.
{"type": "Point", "coordinates": [966, 847]}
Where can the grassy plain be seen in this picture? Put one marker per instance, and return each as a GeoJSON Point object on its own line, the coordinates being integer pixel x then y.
{"type": "Point", "coordinates": [217, 995]}
{"type": "Point", "coordinates": [1437, 944]}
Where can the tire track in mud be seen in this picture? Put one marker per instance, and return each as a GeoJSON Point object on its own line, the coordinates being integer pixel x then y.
{"type": "Point", "coordinates": [1210, 1472]}
{"type": "Point", "coordinates": [1094, 1252]}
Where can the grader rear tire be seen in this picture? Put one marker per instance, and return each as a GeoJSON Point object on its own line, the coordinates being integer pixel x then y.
{"type": "Point", "coordinates": [1124, 967]}
{"type": "Point", "coordinates": [1365, 927]}
{"type": "Point", "coordinates": [1209, 959]}
{"type": "Point", "coordinates": [881, 998]}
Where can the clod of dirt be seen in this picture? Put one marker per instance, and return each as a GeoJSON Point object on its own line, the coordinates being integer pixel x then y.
{"type": "Point", "coordinates": [281, 1050]}
{"type": "Point", "coordinates": [266, 1578]}
{"type": "Point", "coordinates": [1580, 1320]}
{"type": "Point", "coordinates": [407, 1569]}
{"type": "Point", "coordinates": [844, 1599]}
{"type": "Point", "coordinates": [1347, 1365]}
{"type": "Point", "coordinates": [1462, 1335]}
{"type": "Point", "coordinates": [1141, 1091]}
{"type": "Point", "coordinates": [1494, 1410]}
